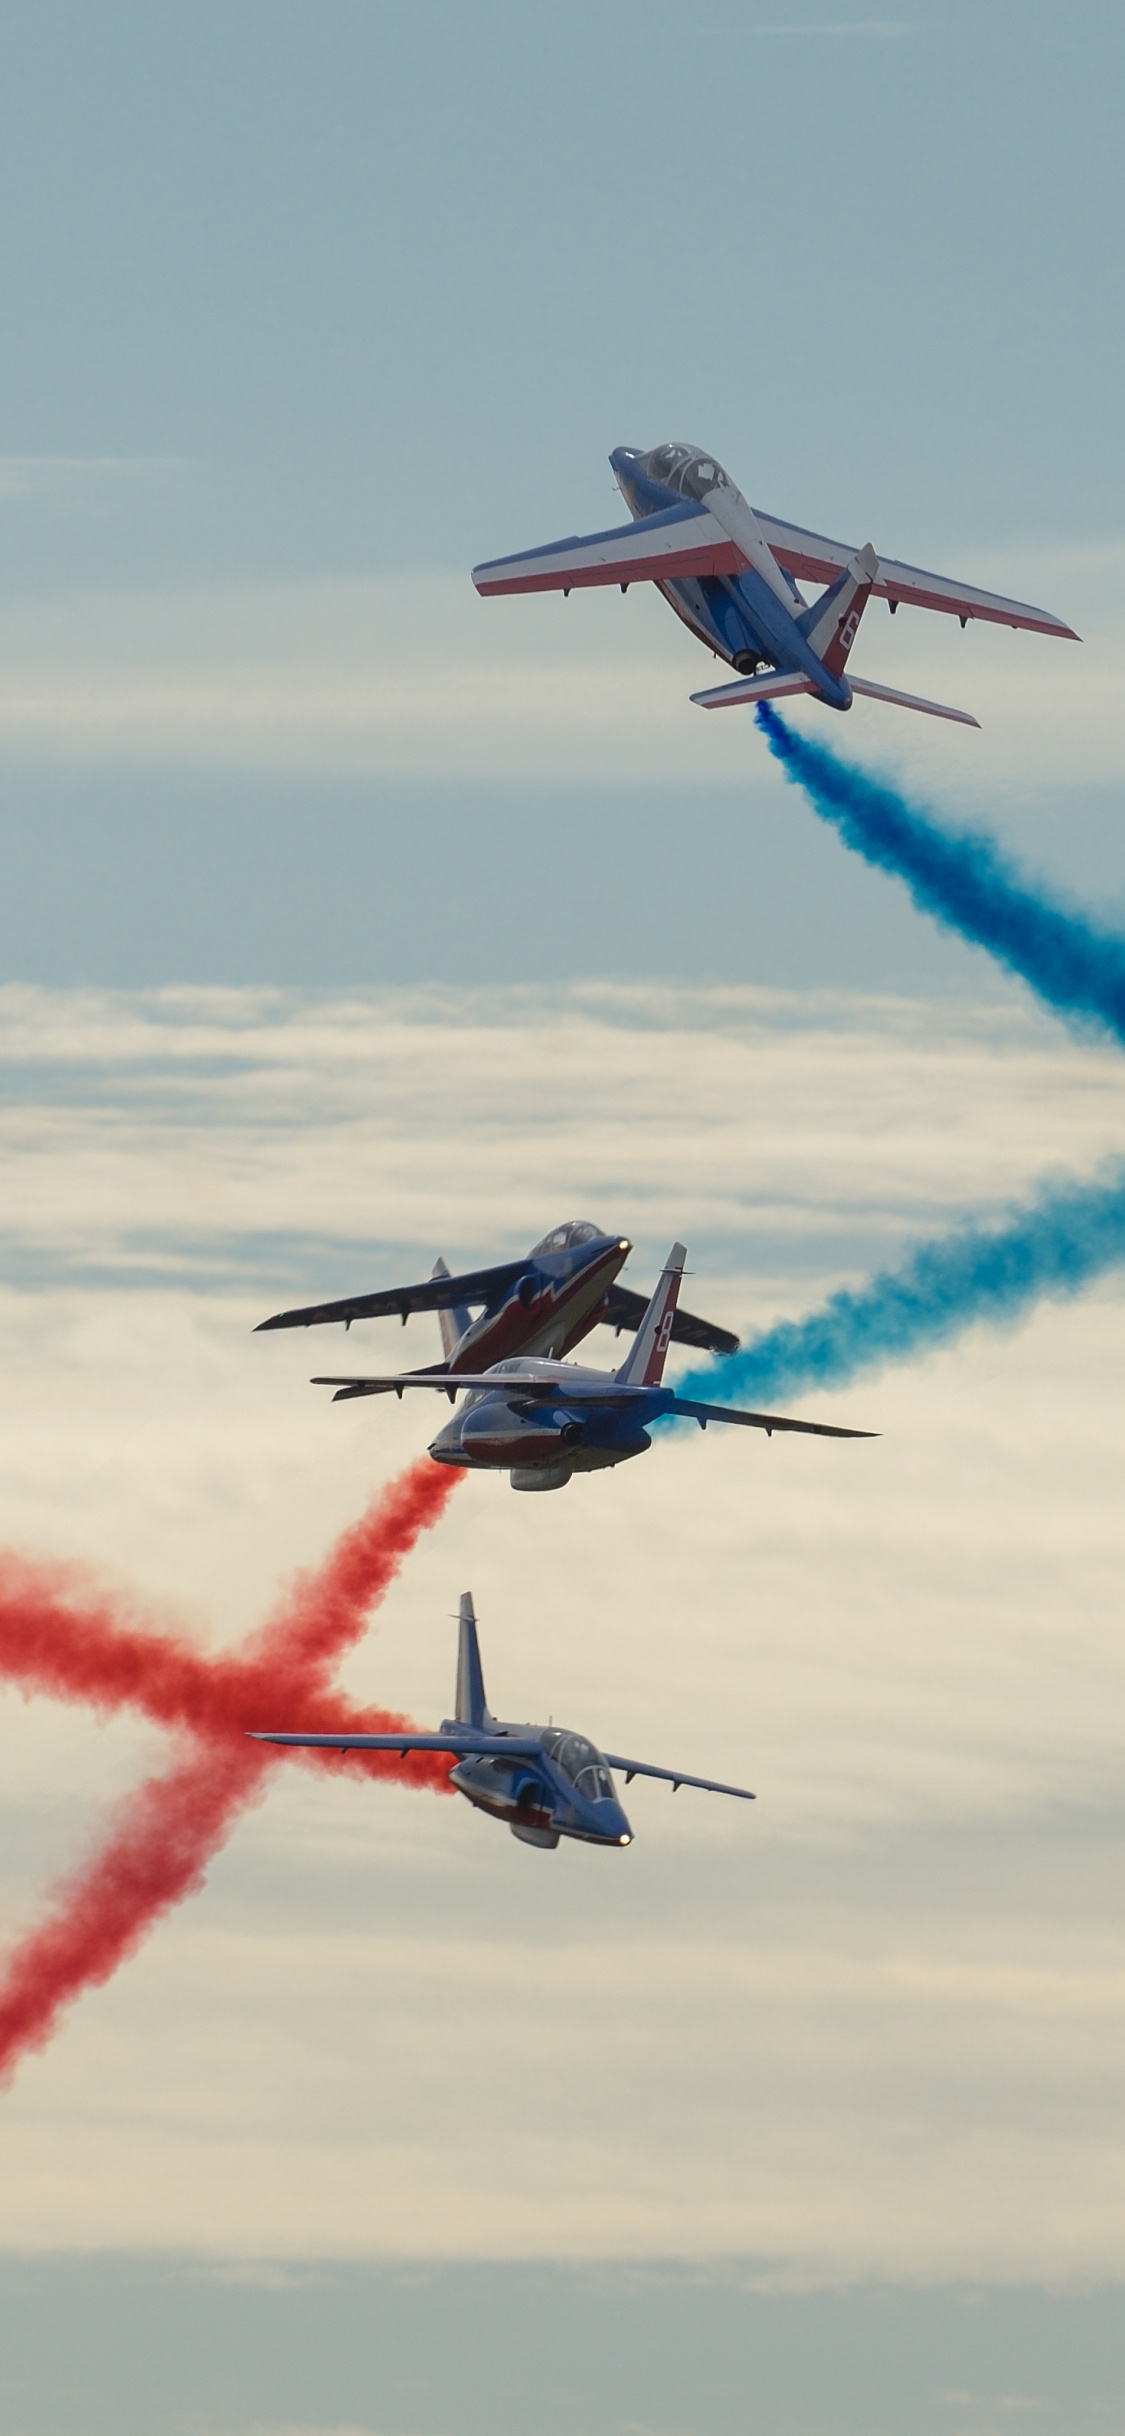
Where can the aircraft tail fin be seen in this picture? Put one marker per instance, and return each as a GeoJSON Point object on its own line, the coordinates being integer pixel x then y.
{"type": "Point", "coordinates": [470, 1706]}
{"type": "Point", "coordinates": [455, 1322]}
{"type": "Point", "coordinates": [644, 1363]}
{"type": "Point", "coordinates": [831, 625]}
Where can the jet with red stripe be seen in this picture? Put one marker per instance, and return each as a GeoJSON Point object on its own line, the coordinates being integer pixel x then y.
{"type": "Point", "coordinates": [731, 574]}
{"type": "Point", "coordinates": [544, 1302]}
{"type": "Point", "coordinates": [542, 1421]}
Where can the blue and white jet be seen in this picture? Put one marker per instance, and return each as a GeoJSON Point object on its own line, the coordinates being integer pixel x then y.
{"type": "Point", "coordinates": [542, 1420]}
{"type": "Point", "coordinates": [731, 573]}
{"type": "Point", "coordinates": [542, 1781]}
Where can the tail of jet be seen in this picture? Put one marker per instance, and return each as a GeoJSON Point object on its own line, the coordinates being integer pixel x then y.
{"type": "Point", "coordinates": [455, 1322]}
{"type": "Point", "coordinates": [831, 625]}
{"type": "Point", "coordinates": [830, 628]}
{"type": "Point", "coordinates": [644, 1363]}
{"type": "Point", "coordinates": [470, 1706]}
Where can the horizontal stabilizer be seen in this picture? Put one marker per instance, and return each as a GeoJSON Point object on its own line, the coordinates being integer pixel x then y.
{"type": "Point", "coordinates": [753, 689]}
{"type": "Point", "coordinates": [624, 1309]}
{"type": "Point", "coordinates": [890, 693]}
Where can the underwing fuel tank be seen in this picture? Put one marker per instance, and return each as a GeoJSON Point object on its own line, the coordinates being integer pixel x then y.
{"type": "Point", "coordinates": [541, 1476]}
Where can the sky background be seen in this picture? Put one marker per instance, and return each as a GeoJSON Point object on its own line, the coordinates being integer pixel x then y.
{"type": "Point", "coordinates": [347, 919]}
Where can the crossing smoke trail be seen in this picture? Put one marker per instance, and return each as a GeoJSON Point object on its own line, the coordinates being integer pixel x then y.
{"type": "Point", "coordinates": [56, 1636]}
{"type": "Point", "coordinates": [963, 881]}
{"type": "Point", "coordinates": [1053, 1246]}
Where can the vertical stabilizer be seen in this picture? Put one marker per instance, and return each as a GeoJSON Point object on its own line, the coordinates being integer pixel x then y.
{"type": "Point", "coordinates": [454, 1323]}
{"type": "Point", "coordinates": [470, 1706]}
{"type": "Point", "coordinates": [644, 1366]}
{"type": "Point", "coordinates": [832, 624]}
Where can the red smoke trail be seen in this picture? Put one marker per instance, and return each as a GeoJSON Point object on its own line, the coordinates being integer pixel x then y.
{"type": "Point", "coordinates": [55, 1640]}
{"type": "Point", "coordinates": [156, 1852]}
{"type": "Point", "coordinates": [59, 1636]}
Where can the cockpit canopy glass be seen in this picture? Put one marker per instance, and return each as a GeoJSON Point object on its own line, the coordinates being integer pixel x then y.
{"type": "Point", "coordinates": [584, 1765]}
{"type": "Point", "coordinates": [690, 471]}
{"type": "Point", "coordinates": [562, 1238]}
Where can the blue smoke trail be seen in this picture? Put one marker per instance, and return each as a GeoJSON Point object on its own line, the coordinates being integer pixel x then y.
{"type": "Point", "coordinates": [963, 881]}
{"type": "Point", "coordinates": [1053, 1246]}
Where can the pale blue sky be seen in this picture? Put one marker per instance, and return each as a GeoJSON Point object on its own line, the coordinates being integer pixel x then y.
{"type": "Point", "coordinates": [297, 296]}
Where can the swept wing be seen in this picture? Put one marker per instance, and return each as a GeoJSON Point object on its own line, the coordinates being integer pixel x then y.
{"type": "Point", "coordinates": [820, 561]}
{"type": "Point", "coordinates": [688, 540]}
{"type": "Point", "coordinates": [433, 1294]}
{"type": "Point", "coordinates": [466, 1743]}
{"type": "Point", "coordinates": [674, 1777]}
{"type": "Point", "coordinates": [624, 1309]}
{"type": "Point", "coordinates": [522, 1388]}
{"type": "Point", "coordinates": [678, 541]}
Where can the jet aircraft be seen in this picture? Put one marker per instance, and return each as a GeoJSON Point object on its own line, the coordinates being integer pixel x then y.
{"type": "Point", "coordinates": [542, 1420]}
{"type": "Point", "coordinates": [544, 1303]}
{"type": "Point", "coordinates": [730, 572]}
{"type": "Point", "coordinates": [543, 1781]}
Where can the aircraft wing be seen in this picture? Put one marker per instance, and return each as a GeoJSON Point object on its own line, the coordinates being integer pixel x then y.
{"type": "Point", "coordinates": [397, 1302]}
{"type": "Point", "coordinates": [517, 1388]}
{"type": "Point", "coordinates": [674, 1777]}
{"type": "Point", "coordinates": [623, 1309]}
{"type": "Point", "coordinates": [812, 555]}
{"type": "Point", "coordinates": [678, 541]}
{"type": "Point", "coordinates": [464, 1745]}
{"type": "Point", "coordinates": [703, 1413]}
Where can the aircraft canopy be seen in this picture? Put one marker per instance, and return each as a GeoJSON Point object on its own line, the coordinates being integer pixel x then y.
{"type": "Point", "coordinates": [576, 1230]}
{"type": "Point", "coordinates": [690, 471]}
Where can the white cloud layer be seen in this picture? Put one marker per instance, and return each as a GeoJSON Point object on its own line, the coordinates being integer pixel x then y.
{"type": "Point", "coordinates": [414, 676]}
{"type": "Point", "coordinates": [873, 2026]}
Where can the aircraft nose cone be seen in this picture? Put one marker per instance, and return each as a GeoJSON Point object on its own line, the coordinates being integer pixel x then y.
{"type": "Point", "coordinates": [623, 460]}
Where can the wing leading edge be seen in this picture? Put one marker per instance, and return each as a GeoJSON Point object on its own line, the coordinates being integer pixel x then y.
{"type": "Point", "coordinates": [674, 1777]}
{"type": "Point", "coordinates": [622, 1309]}
{"type": "Point", "coordinates": [819, 560]}
{"type": "Point", "coordinates": [688, 540]}
{"type": "Point", "coordinates": [679, 541]}
{"type": "Point", "coordinates": [397, 1302]}
{"type": "Point", "coordinates": [465, 1744]}
{"type": "Point", "coordinates": [518, 1388]}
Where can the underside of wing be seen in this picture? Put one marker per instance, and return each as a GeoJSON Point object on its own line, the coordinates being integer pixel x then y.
{"type": "Point", "coordinates": [703, 1413]}
{"type": "Point", "coordinates": [674, 1776]}
{"type": "Point", "coordinates": [508, 1746]}
{"type": "Point", "coordinates": [516, 1387]}
{"type": "Point", "coordinates": [817, 559]}
{"type": "Point", "coordinates": [679, 541]}
{"type": "Point", "coordinates": [397, 1302]}
{"type": "Point", "coordinates": [624, 1309]}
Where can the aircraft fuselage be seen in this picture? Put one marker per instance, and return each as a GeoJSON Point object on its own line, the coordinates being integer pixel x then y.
{"type": "Point", "coordinates": [749, 619]}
